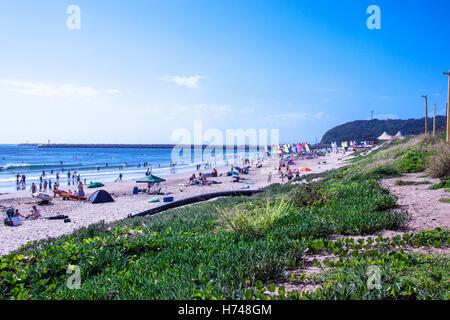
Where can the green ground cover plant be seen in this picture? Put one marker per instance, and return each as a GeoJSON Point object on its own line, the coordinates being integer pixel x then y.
{"type": "Point", "coordinates": [410, 183]}
{"type": "Point", "coordinates": [233, 248]}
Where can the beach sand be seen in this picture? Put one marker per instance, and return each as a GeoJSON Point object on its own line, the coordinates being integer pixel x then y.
{"type": "Point", "coordinates": [83, 214]}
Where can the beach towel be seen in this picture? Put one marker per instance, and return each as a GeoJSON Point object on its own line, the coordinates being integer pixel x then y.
{"type": "Point", "coordinates": [154, 199]}
{"type": "Point", "coordinates": [58, 217]}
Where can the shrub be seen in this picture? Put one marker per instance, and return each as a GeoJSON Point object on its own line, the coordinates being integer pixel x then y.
{"type": "Point", "coordinates": [254, 218]}
{"type": "Point", "coordinates": [439, 163]}
{"type": "Point", "coordinates": [414, 161]}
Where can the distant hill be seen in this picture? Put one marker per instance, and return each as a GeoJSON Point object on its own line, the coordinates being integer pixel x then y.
{"type": "Point", "coordinates": [363, 129]}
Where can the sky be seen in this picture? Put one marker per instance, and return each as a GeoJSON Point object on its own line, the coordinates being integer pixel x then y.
{"type": "Point", "coordinates": [136, 71]}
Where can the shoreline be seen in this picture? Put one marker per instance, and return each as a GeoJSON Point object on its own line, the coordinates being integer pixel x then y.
{"type": "Point", "coordinates": [83, 214]}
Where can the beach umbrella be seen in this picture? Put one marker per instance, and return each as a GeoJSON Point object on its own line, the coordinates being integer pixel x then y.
{"type": "Point", "coordinates": [42, 196]}
{"type": "Point", "coordinates": [150, 179]}
{"type": "Point", "coordinates": [304, 169]}
{"type": "Point", "coordinates": [95, 185]}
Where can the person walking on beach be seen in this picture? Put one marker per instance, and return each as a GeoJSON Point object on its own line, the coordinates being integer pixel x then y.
{"type": "Point", "coordinates": [120, 177]}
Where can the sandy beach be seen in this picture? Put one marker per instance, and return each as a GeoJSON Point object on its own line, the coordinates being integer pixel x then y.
{"type": "Point", "coordinates": [83, 214]}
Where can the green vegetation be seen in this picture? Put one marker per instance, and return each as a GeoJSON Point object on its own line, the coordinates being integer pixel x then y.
{"type": "Point", "coordinates": [235, 248]}
{"type": "Point", "coordinates": [409, 183]}
{"type": "Point", "coordinates": [415, 160]}
{"type": "Point", "coordinates": [444, 200]}
{"type": "Point", "coordinates": [444, 183]}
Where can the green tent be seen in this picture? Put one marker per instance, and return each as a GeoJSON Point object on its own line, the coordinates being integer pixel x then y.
{"type": "Point", "coordinates": [150, 179]}
{"type": "Point", "coordinates": [96, 185]}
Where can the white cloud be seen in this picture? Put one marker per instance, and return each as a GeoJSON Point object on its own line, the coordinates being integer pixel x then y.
{"type": "Point", "coordinates": [319, 115]}
{"type": "Point", "coordinates": [48, 90]}
{"type": "Point", "coordinates": [190, 82]}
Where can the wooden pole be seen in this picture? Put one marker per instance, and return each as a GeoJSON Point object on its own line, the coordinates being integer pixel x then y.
{"type": "Point", "coordinates": [434, 120]}
{"type": "Point", "coordinates": [448, 106]}
{"type": "Point", "coordinates": [426, 115]}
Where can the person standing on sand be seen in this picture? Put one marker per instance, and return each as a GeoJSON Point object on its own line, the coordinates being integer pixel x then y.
{"type": "Point", "coordinates": [45, 185]}
{"type": "Point", "coordinates": [282, 177]}
{"type": "Point", "coordinates": [80, 189]}
{"type": "Point", "coordinates": [120, 177]}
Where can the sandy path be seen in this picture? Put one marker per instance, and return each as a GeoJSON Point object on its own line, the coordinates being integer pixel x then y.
{"type": "Point", "coordinates": [423, 204]}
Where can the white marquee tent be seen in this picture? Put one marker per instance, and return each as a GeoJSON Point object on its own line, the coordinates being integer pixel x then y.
{"type": "Point", "coordinates": [385, 136]}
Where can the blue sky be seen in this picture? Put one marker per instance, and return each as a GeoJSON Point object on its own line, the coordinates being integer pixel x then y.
{"type": "Point", "coordinates": [138, 70]}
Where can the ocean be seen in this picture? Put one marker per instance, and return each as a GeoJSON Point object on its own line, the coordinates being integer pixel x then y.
{"type": "Point", "coordinates": [97, 164]}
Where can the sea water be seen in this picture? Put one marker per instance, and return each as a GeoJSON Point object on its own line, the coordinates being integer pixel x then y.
{"type": "Point", "coordinates": [98, 164]}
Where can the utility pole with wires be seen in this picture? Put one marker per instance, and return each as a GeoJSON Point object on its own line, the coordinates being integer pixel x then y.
{"type": "Point", "coordinates": [448, 106]}
{"type": "Point", "coordinates": [426, 115]}
{"type": "Point", "coordinates": [371, 115]}
{"type": "Point", "coordinates": [434, 120]}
